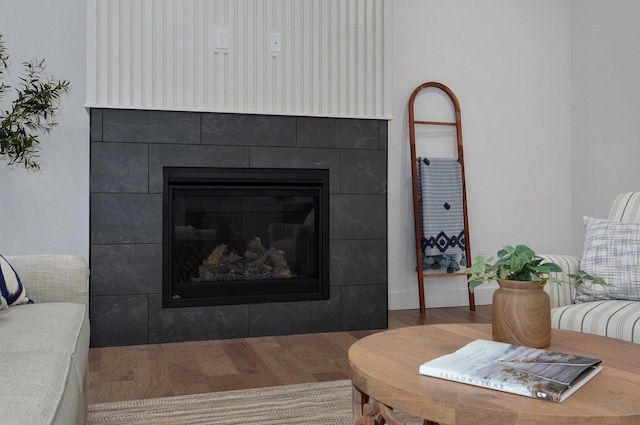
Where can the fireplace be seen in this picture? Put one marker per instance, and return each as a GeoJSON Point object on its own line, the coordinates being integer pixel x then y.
{"type": "Point", "coordinates": [130, 149]}
{"type": "Point", "coordinates": [244, 236]}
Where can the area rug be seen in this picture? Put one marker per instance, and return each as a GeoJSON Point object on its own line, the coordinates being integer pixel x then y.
{"type": "Point", "coordinates": [321, 403]}
{"type": "Point", "coordinates": [312, 403]}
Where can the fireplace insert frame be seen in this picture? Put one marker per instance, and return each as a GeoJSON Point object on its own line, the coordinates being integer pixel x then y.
{"type": "Point", "coordinates": [304, 288]}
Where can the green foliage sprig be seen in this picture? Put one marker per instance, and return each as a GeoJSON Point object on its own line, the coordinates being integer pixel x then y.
{"type": "Point", "coordinates": [521, 263]}
{"type": "Point", "coordinates": [32, 111]}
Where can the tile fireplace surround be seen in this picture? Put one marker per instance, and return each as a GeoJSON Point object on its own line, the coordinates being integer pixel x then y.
{"type": "Point", "coordinates": [129, 149]}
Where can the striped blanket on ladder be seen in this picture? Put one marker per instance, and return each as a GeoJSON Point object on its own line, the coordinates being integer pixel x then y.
{"type": "Point", "coordinates": [441, 214]}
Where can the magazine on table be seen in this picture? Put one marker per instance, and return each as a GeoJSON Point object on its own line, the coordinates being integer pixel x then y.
{"type": "Point", "coordinates": [527, 371]}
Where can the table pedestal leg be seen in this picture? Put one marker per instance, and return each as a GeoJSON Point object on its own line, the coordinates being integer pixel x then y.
{"type": "Point", "coordinates": [367, 411]}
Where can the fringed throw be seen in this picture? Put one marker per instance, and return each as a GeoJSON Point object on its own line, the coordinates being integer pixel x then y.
{"type": "Point", "coordinates": [441, 213]}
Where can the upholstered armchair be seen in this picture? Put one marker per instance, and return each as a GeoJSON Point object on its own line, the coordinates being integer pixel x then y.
{"type": "Point", "coordinates": [613, 247]}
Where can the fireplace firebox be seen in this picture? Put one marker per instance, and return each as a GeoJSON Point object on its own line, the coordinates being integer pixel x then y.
{"type": "Point", "coordinates": [245, 236]}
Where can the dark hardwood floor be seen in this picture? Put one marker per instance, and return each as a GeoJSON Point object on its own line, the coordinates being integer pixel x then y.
{"type": "Point", "coordinates": [162, 370]}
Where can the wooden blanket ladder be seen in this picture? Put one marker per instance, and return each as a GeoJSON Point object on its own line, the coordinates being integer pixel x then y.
{"type": "Point", "coordinates": [413, 123]}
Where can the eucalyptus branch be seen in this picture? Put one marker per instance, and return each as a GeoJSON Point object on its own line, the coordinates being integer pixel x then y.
{"type": "Point", "coordinates": [3, 65]}
{"type": "Point", "coordinates": [33, 111]}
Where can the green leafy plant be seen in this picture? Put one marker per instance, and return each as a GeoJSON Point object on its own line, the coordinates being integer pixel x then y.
{"type": "Point", "coordinates": [522, 264]}
{"type": "Point", "coordinates": [33, 111]}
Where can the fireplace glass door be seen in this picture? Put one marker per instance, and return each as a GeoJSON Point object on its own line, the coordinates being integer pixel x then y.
{"type": "Point", "coordinates": [245, 236]}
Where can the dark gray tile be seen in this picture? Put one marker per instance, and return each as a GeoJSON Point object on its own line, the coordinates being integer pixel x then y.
{"type": "Point", "coordinates": [126, 218]}
{"type": "Point", "coordinates": [364, 307]}
{"type": "Point", "coordinates": [196, 323]}
{"type": "Point", "coordinates": [192, 156]}
{"type": "Point", "coordinates": [119, 320]}
{"type": "Point", "coordinates": [351, 149]}
{"type": "Point", "coordinates": [126, 269]}
{"type": "Point", "coordinates": [95, 125]}
{"type": "Point", "coordinates": [296, 317]}
{"type": "Point", "coordinates": [364, 172]}
{"type": "Point", "coordinates": [248, 130]}
{"type": "Point", "coordinates": [119, 167]}
{"type": "Point", "coordinates": [358, 262]}
{"type": "Point", "coordinates": [343, 133]}
{"type": "Point", "coordinates": [300, 158]}
{"type": "Point", "coordinates": [384, 134]}
{"type": "Point", "coordinates": [358, 217]}
{"type": "Point", "coordinates": [136, 126]}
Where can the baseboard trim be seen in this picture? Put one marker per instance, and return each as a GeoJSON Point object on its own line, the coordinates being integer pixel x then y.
{"type": "Point", "coordinates": [440, 297]}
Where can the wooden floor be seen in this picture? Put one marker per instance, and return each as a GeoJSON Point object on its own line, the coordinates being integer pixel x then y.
{"type": "Point", "coordinates": [161, 370]}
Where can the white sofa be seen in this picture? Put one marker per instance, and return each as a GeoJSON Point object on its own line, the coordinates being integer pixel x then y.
{"type": "Point", "coordinates": [616, 318]}
{"type": "Point", "coordinates": [44, 346]}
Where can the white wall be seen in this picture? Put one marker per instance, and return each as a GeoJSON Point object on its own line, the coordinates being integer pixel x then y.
{"type": "Point", "coordinates": [606, 107]}
{"type": "Point", "coordinates": [509, 64]}
{"type": "Point", "coordinates": [48, 211]}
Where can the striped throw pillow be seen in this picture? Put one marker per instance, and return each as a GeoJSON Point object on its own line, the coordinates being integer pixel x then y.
{"type": "Point", "coordinates": [612, 252]}
{"type": "Point", "coordinates": [11, 288]}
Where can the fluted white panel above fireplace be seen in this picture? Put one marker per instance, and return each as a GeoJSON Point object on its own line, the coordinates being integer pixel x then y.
{"type": "Point", "coordinates": [335, 57]}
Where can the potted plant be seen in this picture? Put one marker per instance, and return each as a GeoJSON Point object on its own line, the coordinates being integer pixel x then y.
{"type": "Point", "coordinates": [521, 312]}
{"type": "Point", "coordinates": [33, 110]}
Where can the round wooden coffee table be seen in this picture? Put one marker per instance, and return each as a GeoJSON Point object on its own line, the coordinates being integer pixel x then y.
{"type": "Point", "coordinates": [385, 377]}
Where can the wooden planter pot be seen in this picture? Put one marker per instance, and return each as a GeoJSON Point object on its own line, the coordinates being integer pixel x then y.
{"type": "Point", "coordinates": [521, 314]}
